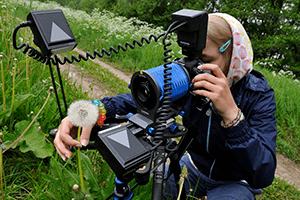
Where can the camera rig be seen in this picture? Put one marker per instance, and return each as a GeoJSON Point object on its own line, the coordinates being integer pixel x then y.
{"type": "Point", "coordinates": [159, 94]}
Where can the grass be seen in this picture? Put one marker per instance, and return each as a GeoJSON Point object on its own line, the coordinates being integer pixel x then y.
{"type": "Point", "coordinates": [109, 83]}
{"type": "Point", "coordinates": [287, 92]}
{"type": "Point", "coordinates": [24, 89]}
{"type": "Point", "coordinates": [23, 175]}
{"type": "Point", "coordinates": [280, 189]}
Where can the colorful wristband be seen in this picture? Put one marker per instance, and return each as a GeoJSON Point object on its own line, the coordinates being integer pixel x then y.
{"type": "Point", "coordinates": [102, 112]}
{"type": "Point", "coordinates": [239, 117]}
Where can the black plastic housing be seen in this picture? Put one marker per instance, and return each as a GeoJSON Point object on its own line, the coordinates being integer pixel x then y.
{"type": "Point", "coordinates": [192, 36]}
{"type": "Point", "coordinates": [122, 150]}
{"type": "Point", "coordinates": [51, 31]}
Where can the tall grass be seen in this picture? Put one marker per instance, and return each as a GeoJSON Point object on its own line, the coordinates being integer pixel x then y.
{"type": "Point", "coordinates": [24, 87]}
{"type": "Point", "coordinates": [287, 92]}
{"type": "Point", "coordinates": [28, 177]}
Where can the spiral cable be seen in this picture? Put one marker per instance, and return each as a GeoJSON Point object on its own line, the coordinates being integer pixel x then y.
{"type": "Point", "coordinates": [166, 100]}
{"type": "Point", "coordinates": [48, 59]}
{"type": "Point", "coordinates": [37, 55]}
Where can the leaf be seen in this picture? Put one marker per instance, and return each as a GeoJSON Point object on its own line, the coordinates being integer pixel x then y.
{"type": "Point", "coordinates": [71, 177]}
{"type": "Point", "coordinates": [33, 140]}
{"type": "Point", "coordinates": [20, 99]}
{"type": "Point", "coordinates": [88, 172]}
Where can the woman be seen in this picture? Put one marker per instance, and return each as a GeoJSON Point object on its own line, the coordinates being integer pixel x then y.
{"type": "Point", "coordinates": [233, 155]}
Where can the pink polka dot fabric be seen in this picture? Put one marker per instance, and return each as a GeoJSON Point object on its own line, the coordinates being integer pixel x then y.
{"type": "Point", "coordinates": [242, 54]}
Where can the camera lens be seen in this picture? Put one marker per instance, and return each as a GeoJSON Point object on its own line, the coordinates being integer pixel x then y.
{"type": "Point", "coordinates": [144, 92]}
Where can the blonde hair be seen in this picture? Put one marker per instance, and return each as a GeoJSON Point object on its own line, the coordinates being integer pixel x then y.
{"type": "Point", "coordinates": [219, 32]}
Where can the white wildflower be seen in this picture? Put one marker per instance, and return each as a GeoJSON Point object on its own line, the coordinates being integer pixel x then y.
{"type": "Point", "coordinates": [75, 187]}
{"type": "Point", "coordinates": [82, 113]}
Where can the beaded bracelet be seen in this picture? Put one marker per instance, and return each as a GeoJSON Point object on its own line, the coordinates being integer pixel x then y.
{"type": "Point", "coordinates": [239, 117]}
{"type": "Point", "coordinates": [102, 112]}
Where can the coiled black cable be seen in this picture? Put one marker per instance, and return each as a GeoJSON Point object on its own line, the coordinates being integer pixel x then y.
{"type": "Point", "coordinates": [105, 52]}
{"type": "Point", "coordinates": [166, 100]}
{"type": "Point", "coordinates": [31, 51]}
{"type": "Point", "coordinates": [37, 55]}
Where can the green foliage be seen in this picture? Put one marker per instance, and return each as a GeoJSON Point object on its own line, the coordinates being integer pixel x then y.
{"type": "Point", "coordinates": [273, 26]}
{"type": "Point", "coordinates": [88, 173]}
{"type": "Point", "coordinates": [62, 179]}
{"type": "Point", "coordinates": [33, 140]}
{"type": "Point", "coordinates": [287, 91]}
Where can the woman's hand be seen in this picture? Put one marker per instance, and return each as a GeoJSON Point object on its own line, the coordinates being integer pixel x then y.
{"type": "Point", "coordinates": [217, 90]}
{"type": "Point", "coordinates": [64, 138]}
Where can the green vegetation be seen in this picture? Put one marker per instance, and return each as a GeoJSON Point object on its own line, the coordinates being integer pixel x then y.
{"type": "Point", "coordinates": [273, 25]}
{"type": "Point", "coordinates": [287, 91]}
{"type": "Point", "coordinates": [25, 84]}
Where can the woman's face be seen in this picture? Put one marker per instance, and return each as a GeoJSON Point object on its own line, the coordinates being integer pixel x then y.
{"type": "Point", "coordinates": [212, 55]}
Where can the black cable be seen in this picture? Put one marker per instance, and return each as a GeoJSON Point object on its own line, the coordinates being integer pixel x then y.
{"type": "Point", "coordinates": [166, 100]}
{"type": "Point", "coordinates": [37, 55]}
{"type": "Point", "coordinates": [108, 53]}
{"type": "Point", "coordinates": [32, 52]}
{"type": "Point", "coordinates": [163, 112]}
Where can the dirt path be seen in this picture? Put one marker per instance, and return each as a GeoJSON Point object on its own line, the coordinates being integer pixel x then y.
{"type": "Point", "coordinates": [286, 169]}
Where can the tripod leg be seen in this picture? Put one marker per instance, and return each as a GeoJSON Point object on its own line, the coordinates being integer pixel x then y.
{"type": "Point", "coordinates": [158, 176]}
{"type": "Point", "coordinates": [62, 87]}
{"type": "Point", "coordinates": [55, 90]}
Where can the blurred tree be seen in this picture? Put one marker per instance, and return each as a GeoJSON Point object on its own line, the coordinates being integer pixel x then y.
{"type": "Point", "coordinates": [273, 25]}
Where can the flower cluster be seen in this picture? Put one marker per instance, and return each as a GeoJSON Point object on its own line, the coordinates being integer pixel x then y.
{"type": "Point", "coordinates": [288, 74]}
{"type": "Point", "coordinates": [109, 22]}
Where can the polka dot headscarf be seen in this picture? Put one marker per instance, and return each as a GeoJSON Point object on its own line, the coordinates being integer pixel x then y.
{"type": "Point", "coordinates": [242, 53]}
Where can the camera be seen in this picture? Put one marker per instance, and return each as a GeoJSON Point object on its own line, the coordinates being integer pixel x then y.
{"type": "Point", "coordinates": [129, 148]}
{"type": "Point", "coordinates": [147, 86]}
{"type": "Point", "coordinates": [140, 147]}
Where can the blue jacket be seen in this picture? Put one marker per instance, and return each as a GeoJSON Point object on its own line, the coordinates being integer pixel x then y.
{"type": "Point", "coordinates": [244, 152]}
